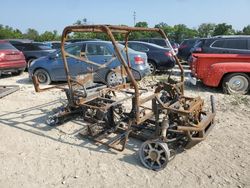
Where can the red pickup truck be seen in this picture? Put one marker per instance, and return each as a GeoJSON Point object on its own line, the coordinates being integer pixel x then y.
{"type": "Point", "coordinates": [231, 71]}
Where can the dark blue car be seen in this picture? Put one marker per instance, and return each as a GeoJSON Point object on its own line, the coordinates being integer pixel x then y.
{"type": "Point", "coordinates": [159, 58]}
{"type": "Point", "coordinates": [51, 67]}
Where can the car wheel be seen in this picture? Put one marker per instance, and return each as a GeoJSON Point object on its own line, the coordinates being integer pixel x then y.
{"type": "Point", "coordinates": [236, 83]}
{"type": "Point", "coordinates": [152, 67]}
{"type": "Point", "coordinates": [42, 76]}
{"type": "Point", "coordinates": [114, 78]}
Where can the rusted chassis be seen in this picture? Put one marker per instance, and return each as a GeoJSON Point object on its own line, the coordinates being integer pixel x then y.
{"type": "Point", "coordinates": [171, 120]}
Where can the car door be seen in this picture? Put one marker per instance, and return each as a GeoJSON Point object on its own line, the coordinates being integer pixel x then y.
{"type": "Point", "coordinates": [99, 53]}
{"type": "Point", "coordinates": [75, 66]}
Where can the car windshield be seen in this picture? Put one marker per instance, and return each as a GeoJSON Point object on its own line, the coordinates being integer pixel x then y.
{"type": "Point", "coordinates": [6, 46]}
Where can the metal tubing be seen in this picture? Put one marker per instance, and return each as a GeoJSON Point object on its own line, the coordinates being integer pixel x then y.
{"type": "Point", "coordinates": [66, 68]}
{"type": "Point", "coordinates": [130, 75]}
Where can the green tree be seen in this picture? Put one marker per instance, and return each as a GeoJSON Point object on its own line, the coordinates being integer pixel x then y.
{"type": "Point", "coordinates": [206, 29]}
{"type": "Point", "coordinates": [32, 34]}
{"type": "Point", "coordinates": [246, 30]}
{"type": "Point", "coordinates": [141, 24]}
{"type": "Point", "coordinates": [77, 35]}
{"type": "Point", "coordinates": [17, 34]}
{"type": "Point", "coordinates": [139, 35]}
{"type": "Point", "coordinates": [84, 21]}
{"type": "Point", "coordinates": [161, 25]}
{"type": "Point", "coordinates": [182, 32]}
{"type": "Point", "coordinates": [168, 30]}
{"type": "Point", "coordinates": [47, 36]}
{"type": "Point", "coordinates": [223, 29]}
{"type": "Point", "coordinates": [7, 32]}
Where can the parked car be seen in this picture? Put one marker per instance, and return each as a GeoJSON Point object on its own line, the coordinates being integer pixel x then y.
{"type": "Point", "coordinates": [19, 41]}
{"type": "Point", "coordinates": [54, 44]}
{"type": "Point", "coordinates": [223, 45]}
{"type": "Point", "coordinates": [80, 40]}
{"type": "Point", "coordinates": [159, 41]}
{"type": "Point", "coordinates": [231, 71]}
{"type": "Point", "coordinates": [184, 51]}
{"type": "Point", "coordinates": [11, 59]}
{"type": "Point", "coordinates": [32, 50]}
{"type": "Point", "coordinates": [159, 58]}
{"type": "Point", "coordinates": [175, 46]}
{"type": "Point", "coordinates": [51, 67]}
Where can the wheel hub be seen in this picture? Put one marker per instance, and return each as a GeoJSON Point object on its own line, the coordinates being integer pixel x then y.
{"type": "Point", "coordinates": [154, 154]}
{"type": "Point", "coordinates": [238, 83]}
{"type": "Point", "coordinates": [41, 78]}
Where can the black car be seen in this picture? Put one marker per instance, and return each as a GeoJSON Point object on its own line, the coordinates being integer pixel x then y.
{"type": "Point", "coordinates": [161, 42]}
{"type": "Point", "coordinates": [159, 58]}
{"type": "Point", "coordinates": [32, 50]}
{"type": "Point", "coordinates": [223, 44]}
{"type": "Point", "coordinates": [184, 51]}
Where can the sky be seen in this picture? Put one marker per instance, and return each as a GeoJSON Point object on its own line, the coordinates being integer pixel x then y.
{"type": "Point", "coordinates": [52, 15]}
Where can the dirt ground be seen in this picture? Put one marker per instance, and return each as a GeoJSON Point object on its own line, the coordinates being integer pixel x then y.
{"type": "Point", "coordinates": [33, 154]}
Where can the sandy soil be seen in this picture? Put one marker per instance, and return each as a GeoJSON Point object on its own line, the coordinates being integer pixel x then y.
{"type": "Point", "coordinates": [33, 154]}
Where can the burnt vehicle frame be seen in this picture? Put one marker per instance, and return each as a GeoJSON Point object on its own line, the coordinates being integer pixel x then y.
{"type": "Point", "coordinates": [165, 119]}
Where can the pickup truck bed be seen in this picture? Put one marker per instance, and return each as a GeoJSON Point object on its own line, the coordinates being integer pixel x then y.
{"type": "Point", "coordinates": [231, 71]}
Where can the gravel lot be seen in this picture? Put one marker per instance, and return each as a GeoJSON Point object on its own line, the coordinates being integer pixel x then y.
{"type": "Point", "coordinates": [33, 154]}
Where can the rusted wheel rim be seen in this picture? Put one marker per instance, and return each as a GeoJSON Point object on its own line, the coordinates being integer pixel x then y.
{"type": "Point", "coordinates": [151, 68]}
{"type": "Point", "coordinates": [154, 155]}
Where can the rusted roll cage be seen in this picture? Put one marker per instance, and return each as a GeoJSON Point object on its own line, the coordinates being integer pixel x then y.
{"type": "Point", "coordinates": [173, 120]}
{"type": "Point", "coordinates": [109, 30]}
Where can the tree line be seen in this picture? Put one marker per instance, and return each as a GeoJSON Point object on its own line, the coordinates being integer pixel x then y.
{"type": "Point", "coordinates": [176, 33]}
